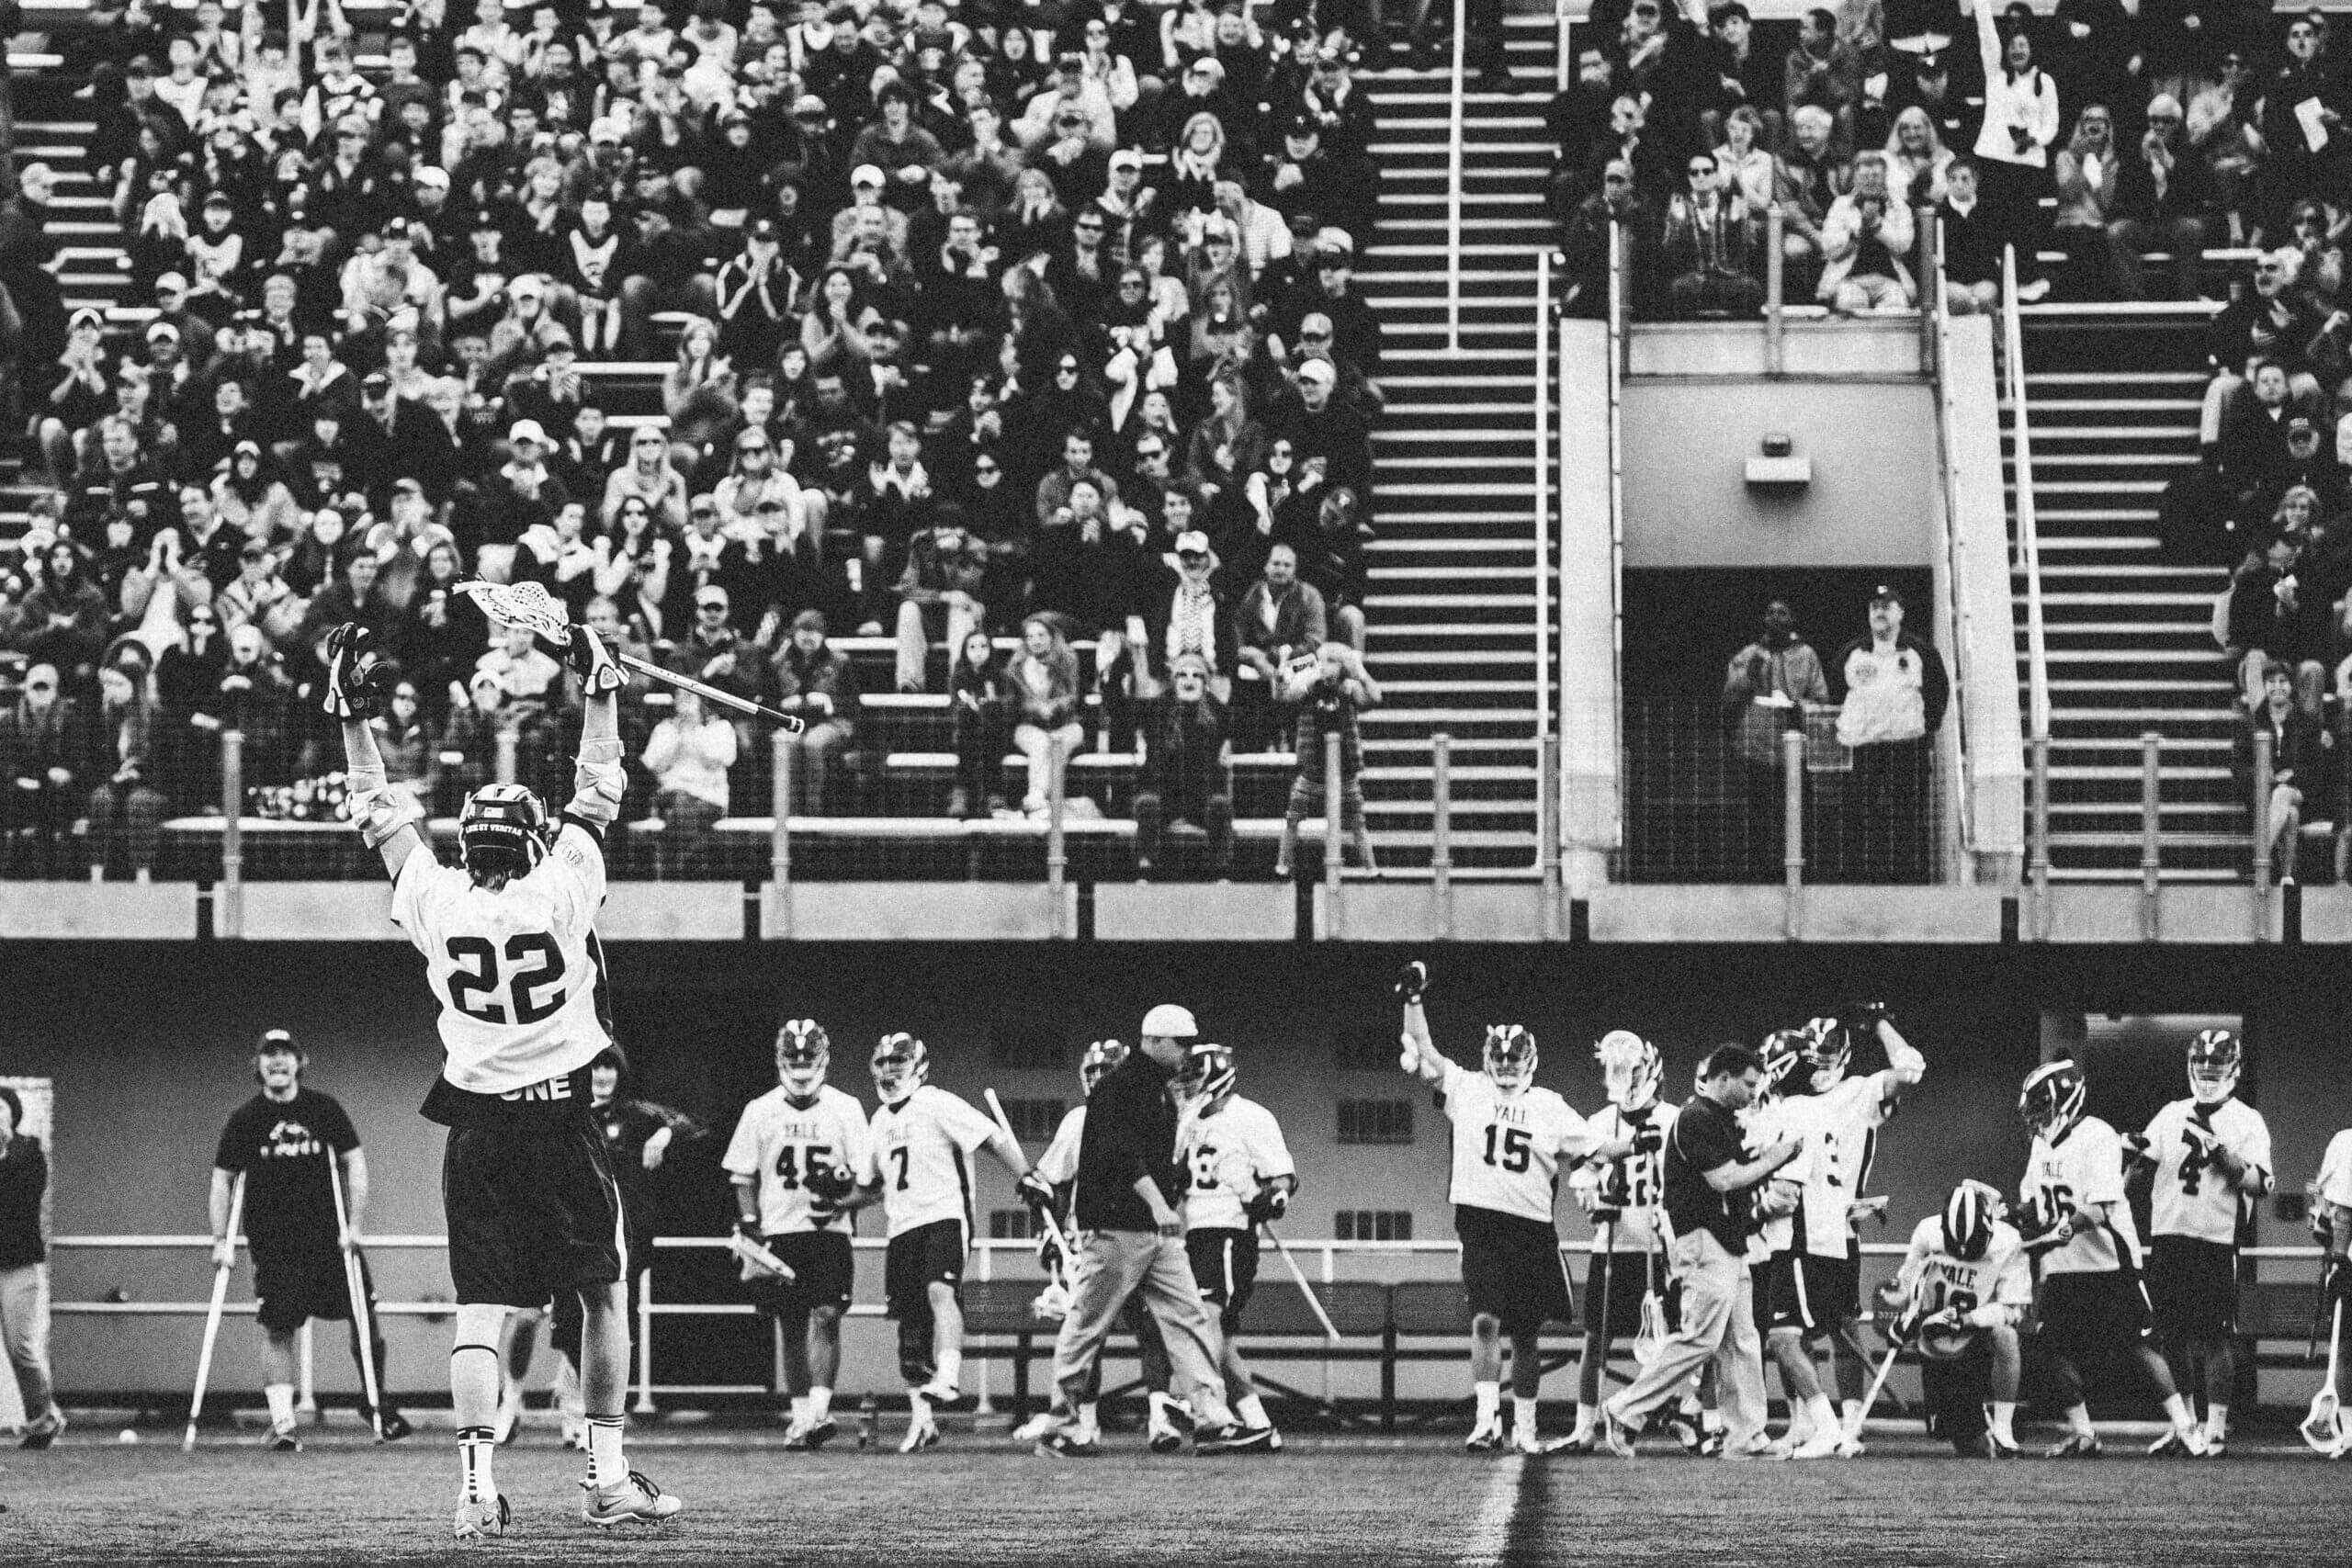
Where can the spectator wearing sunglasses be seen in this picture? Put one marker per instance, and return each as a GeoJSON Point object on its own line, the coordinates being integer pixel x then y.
{"type": "Point", "coordinates": [1709, 247]}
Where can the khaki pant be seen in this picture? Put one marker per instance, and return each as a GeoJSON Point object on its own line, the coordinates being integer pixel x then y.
{"type": "Point", "coordinates": [1718, 1325]}
{"type": "Point", "coordinates": [24, 1330]}
{"type": "Point", "coordinates": [1114, 1265]}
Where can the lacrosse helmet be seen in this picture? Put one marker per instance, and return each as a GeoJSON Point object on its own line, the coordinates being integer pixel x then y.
{"type": "Point", "coordinates": [1207, 1076]}
{"type": "Point", "coordinates": [1783, 1055]}
{"type": "Point", "coordinates": [1098, 1061]}
{"type": "Point", "coordinates": [2213, 1058]}
{"type": "Point", "coordinates": [1631, 1068]}
{"type": "Point", "coordinates": [803, 1052]}
{"type": "Point", "coordinates": [2052, 1102]}
{"type": "Point", "coordinates": [900, 1064]}
{"type": "Point", "coordinates": [1968, 1222]}
{"type": "Point", "coordinates": [1510, 1057]}
{"type": "Point", "coordinates": [504, 832]}
{"type": "Point", "coordinates": [1828, 1045]}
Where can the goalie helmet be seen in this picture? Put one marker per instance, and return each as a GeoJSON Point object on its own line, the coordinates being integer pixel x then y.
{"type": "Point", "coordinates": [2213, 1058]}
{"type": "Point", "coordinates": [2052, 1102]}
{"type": "Point", "coordinates": [1968, 1222]}
{"type": "Point", "coordinates": [1828, 1045]}
{"type": "Point", "coordinates": [1510, 1057]}
{"type": "Point", "coordinates": [803, 1052]}
{"type": "Point", "coordinates": [503, 832]}
{"type": "Point", "coordinates": [901, 1065]}
{"type": "Point", "coordinates": [1783, 1055]}
{"type": "Point", "coordinates": [1631, 1068]}
{"type": "Point", "coordinates": [1098, 1061]}
{"type": "Point", "coordinates": [1207, 1076]}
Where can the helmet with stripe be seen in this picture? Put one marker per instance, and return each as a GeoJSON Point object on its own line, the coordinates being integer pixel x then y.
{"type": "Point", "coordinates": [2052, 1102]}
{"type": "Point", "coordinates": [503, 831]}
{"type": "Point", "coordinates": [1510, 1057]}
{"type": "Point", "coordinates": [1782, 1053]}
{"type": "Point", "coordinates": [2213, 1059]}
{"type": "Point", "coordinates": [1631, 1068]}
{"type": "Point", "coordinates": [1207, 1076]}
{"type": "Point", "coordinates": [803, 1054]}
{"type": "Point", "coordinates": [1098, 1061]}
{"type": "Point", "coordinates": [901, 1065]}
{"type": "Point", "coordinates": [1829, 1044]}
{"type": "Point", "coordinates": [1968, 1222]}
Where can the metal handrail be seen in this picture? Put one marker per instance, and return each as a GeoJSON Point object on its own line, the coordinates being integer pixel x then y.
{"type": "Point", "coordinates": [1564, 52]}
{"type": "Point", "coordinates": [1935, 314]}
{"type": "Point", "coordinates": [1456, 116]}
{"type": "Point", "coordinates": [1618, 261]}
{"type": "Point", "coordinates": [1542, 493]}
{"type": "Point", "coordinates": [2028, 531]}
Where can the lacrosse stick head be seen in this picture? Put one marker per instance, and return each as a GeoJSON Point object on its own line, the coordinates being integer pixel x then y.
{"type": "Point", "coordinates": [522, 605]}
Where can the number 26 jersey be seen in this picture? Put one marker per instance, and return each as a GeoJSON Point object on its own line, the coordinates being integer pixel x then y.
{"type": "Point", "coordinates": [1507, 1149]}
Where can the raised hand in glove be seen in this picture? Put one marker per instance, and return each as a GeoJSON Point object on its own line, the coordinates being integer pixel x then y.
{"type": "Point", "coordinates": [593, 662]}
{"type": "Point", "coordinates": [1864, 1017]}
{"type": "Point", "coordinates": [1412, 979]}
{"type": "Point", "coordinates": [355, 674]}
{"type": "Point", "coordinates": [1271, 1204]}
{"type": "Point", "coordinates": [1034, 1191]}
{"type": "Point", "coordinates": [748, 1227]}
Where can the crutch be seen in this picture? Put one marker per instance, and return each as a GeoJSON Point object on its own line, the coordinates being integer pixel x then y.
{"type": "Point", "coordinates": [212, 1314]}
{"type": "Point", "coordinates": [1004, 1125]}
{"type": "Point", "coordinates": [355, 1281]}
{"type": "Point", "coordinates": [1300, 1275]}
{"type": "Point", "coordinates": [1608, 1232]}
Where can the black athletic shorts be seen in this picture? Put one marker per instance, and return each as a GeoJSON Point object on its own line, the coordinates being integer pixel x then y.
{"type": "Point", "coordinates": [295, 1289]}
{"type": "Point", "coordinates": [2193, 1286]}
{"type": "Point", "coordinates": [916, 1260]}
{"type": "Point", "coordinates": [1511, 1269]}
{"type": "Point", "coordinates": [2086, 1317]}
{"type": "Point", "coordinates": [1225, 1265]}
{"type": "Point", "coordinates": [823, 1269]}
{"type": "Point", "coordinates": [1810, 1293]}
{"type": "Point", "coordinates": [533, 1212]}
{"type": "Point", "coordinates": [1629, 1277]}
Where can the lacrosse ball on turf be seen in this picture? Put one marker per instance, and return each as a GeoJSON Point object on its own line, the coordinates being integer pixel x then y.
{"type": "Point", "coordinates": [126, 1436]}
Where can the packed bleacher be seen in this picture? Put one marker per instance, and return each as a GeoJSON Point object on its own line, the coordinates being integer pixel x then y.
{"type": "Point", "coordinates": [1015, 400]}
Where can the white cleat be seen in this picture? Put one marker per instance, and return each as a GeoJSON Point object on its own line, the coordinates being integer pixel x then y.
{"type": "Point", "coordinates": [1527, 1441]}
{"type": "Point", "coordinates": [478, 1521]}
{"type": "Point", "coordinates": [1850, 1448]}
{"type": "Point", "coordinates": [634, 1501]}
{"type": "Point", "coordinates": [1821, 1445]}
{"type": "Point", "coordinates": [921, 1435]}
{"type": "Point", "coordinates": [1036, 1427]}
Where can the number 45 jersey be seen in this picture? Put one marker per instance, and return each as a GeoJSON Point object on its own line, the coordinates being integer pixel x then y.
{"type": "Point", "coordinates": [778, 1144]}
{"type": "Point", "coordinates": [1507, 1148]}
{"type": "Point", "coordinates": [518, 971]}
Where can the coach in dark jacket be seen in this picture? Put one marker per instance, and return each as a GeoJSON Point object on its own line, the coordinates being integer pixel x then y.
{"type": "Point", "coordinates": [24, 1271]}
{"type": "Point", "coordinates": [1130, 1187]}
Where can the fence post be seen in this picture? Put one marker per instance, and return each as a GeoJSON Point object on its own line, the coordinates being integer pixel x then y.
{"type": "Point", "coordinates": [508, 743]}
{"type": "Point", "coordinates": [1793, 829]}
{"type": "Point", "coordinates": [1331, 831]}
{"type": "Point", "coordinates": [1442, 835]}
{"type": "Point", "coordinates": [644, 1406]}
{"type": "Point", "coordinates": [229, 898]}
{"type": "Point", "coordinates": [780, 835]}
{"type": "Point", "coordinates": [306, 1398]}
{"type": "Point", "coordinates": [2264, 763]}
{"type": "Point", "coordinates": [1547, 833]}
{"type": "Point", "coordinates": [2040, 847]}
{"type": "Point", "coordinates": [986, 1405]}
{"type": "Point", "coordinates": [1057, 846]}
{"type": "Point", "coordinates": [2151, 854]}
{"type": "Point", "coordinates": [1775, 279]}
{"type": "Point", "coordinates": [1929, 275]}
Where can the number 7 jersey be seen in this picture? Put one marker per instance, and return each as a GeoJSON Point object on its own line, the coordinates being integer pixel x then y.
{"type": "Point", "coordinates": [1507, 1149]}
{"type": "Point", "coordinates": [518, 971]}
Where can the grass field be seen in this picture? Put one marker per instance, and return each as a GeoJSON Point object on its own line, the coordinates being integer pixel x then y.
{"type": "Point", "coordinates": [1355, 1500]}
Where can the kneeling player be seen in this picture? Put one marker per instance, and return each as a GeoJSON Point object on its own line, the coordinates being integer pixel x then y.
{"type": "Point", "coordinates": [1963, 1288]}
{"type": "Point", "coordinates": [918, 1160]}
{"type": "Point", "coordinates": [793, 1161]}
{"type": "Point", "coordinates": [1241, 1176]}
{"type": "Point", "coordinates": [510, 949]}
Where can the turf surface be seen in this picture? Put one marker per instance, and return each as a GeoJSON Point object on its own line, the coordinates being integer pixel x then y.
{"type": "Point", "coordinates": [1358, 1501]}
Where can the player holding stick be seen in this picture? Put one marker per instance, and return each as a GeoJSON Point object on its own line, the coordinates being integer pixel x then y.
{"type": "Point", "coordinates": [510, 947]}
{"type": "Point", "coordinates": [2331, 1194]}
{"type": "Point", "coordinates": [1962, 1290]}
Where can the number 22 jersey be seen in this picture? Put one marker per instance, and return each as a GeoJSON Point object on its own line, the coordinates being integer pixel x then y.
{"type": "Point", "coordinates": [777, 1143]}
{"type": "Point", "coordinates": [1507, 1149]}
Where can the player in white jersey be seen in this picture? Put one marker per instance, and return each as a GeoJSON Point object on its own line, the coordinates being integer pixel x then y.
{"type": "Point", "coordinates": [919, 1153]}
{"type": "Point", "coordinates": [2092, 1300]}
{"type": "Point", "coordinates": [1626, 1280]}
{"type": "Point", "coordinates": [2208, 1158]}
{"type": "Point", "coordinates": [1816, 1294]}
{"type": "Point", "coordinates": [1776, 1247]}
{"type": "Point", "coordinates": [1965, 1286]}
{"type": "Point", "coordinates": [794, 1161]}
{"type": "Point", "coordinates": [1241, 1177]}
{"type": "Point", "coordinates": [510, 947]}
{"type": "Point", "coordinates": [2331, 1196]}
{"type": "Point", "coordinates": [1510, 1141]}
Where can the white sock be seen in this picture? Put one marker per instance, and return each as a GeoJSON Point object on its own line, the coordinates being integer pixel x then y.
{"type": "Point", "coordinates": [2078, 1421]}
{"type": "Point", "coordinates": [2005, 1411]}
{"type": "Point", "coordinates": [918, 1409]}
{"type": "Point", "coordinates": [1800, 1421]}
{"type": "Point", "coordinates": [1252, 1411]}
{"type": "Point", "coordinates": [475, 1445]}
{"type": "Point", "coordinates": [1163, 1404]}
{"type": "Point", "coordinates": [2177, 1408]}
{"type": "Point", "coordinates": [800, 1408]}
{"type": "Point", "coordinates": [1086, 1413]}
{"type": "Point", "coordinates": [951, 1368]}
{"type": "Point", "coordinates": [1711, 1420]}
{"type": "Point", "coordinates": [1522, 1414]}
{"type": "Point", "coordinates": [1490, 1402]}
{"type": "Point", "coordinates": [1587, 1415]}
{"type": "Point", "coordinates": [1825, 1414]}
{"type": "Point", "coordinates": [1849, 1411]}
{"type": "Point", "coordinates": [608, 1467]}
{"type": "Point", "coordinates": [820, 1404]}
{"type": "Point", "coordinates": [2217, 1420]}
{"type": "Point", "coordinates": [281, 1403]}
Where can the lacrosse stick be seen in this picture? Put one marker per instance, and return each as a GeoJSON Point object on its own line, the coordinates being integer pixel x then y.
{"type": "Point", "coordinates": [755, 1255]}
{"type": "Point", "coordinates": [2320, 1425]}
{"type": "Point", "coordinates": [1608, 1232]}
{"type": "Point", "coordinates": [530, 604]}
{"type": "Point", "coordinates": [1870, 1400]}
{"type": "Point", "coordinates": [213, 1316]}
{"type": "Point", "coordinates": [356, 1283]}
{"type": "Point", "coordinates": [1652, 1337]}
{"type": "Point", "coordinates": [1304, 1289]}
{"type": "Point", "coordinates": [1004, 1125]}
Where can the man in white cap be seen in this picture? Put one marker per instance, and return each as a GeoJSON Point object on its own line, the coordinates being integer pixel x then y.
{"type": "Point", "coordinates": [1130, 1187]}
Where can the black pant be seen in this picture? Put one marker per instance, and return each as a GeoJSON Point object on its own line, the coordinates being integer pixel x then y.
{"type": "Point", "coordinates": [2012, 203]}
{"type": "Point", "coordinates": [1213, 812]}
{"type": "Point", "coordinates": [42, 819]}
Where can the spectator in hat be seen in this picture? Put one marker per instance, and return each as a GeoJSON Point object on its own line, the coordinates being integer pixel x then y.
{"type": "Point", "coordinates": [1072, 93]}
{"type": "Point", "coordinates": [1322, 430]}
{"type": "Point", "coordinates": [1895, 692]}
{"type": "Point", "coordinates": [43, 746]}
{"type": "Point", "coordinates": [715, 653]}
{"type": "Point", "coordinates": [1185, 613]}
{"type": "Point", "coordinates": [816, 682]}
{"type": "Point", "coordinates": [1300, 177]}
{"type": "Point", "coordinates": [172, 309]}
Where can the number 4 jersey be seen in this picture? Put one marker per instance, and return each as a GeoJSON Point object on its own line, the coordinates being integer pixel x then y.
{"type": "Point", "coordinates": [2189, 1196]}
{"type": "Point", "coordinates": [516, 970]}
{"type": "Point", "coordinates": [1507, 1148]}
{"type": "Point", "coordinates": [778, 1144]}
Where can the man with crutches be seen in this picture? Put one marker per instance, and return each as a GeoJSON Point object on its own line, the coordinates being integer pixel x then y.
{"type": "Point", "coordinates": [2324, 1428]}
{"type": "Point", "coordinates": [303, 1192]}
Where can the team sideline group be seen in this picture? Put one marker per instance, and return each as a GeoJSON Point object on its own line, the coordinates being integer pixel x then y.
{"type": "Point", "coordinates": [1155, 1190]}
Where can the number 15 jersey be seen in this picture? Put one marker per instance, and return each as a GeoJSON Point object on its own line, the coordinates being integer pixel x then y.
{"type": "Point", "coordinates": [1507, 1149]}
{"type": "Point", "coordinates": [517, 970]}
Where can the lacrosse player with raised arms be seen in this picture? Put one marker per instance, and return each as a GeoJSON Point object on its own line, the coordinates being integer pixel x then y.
{"type": "Point", "coordinates": [510, 948]}
{"type": "Point", "coordinates": [1242, 1176]}
{"type": "Point", "coordinates": [794, 1162]}
{"type": "Point", "coordinates": [1963, 1288]}
{"type": "Point", "coordinates": [1510, 1141]}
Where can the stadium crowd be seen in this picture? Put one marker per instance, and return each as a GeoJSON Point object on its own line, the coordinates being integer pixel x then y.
{"type": "Point", "coordinates": [1038, 323]}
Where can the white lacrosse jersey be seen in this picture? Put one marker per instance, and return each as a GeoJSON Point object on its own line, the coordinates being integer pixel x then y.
{"type": "Point", "coordinates": [919, 1150]}
{"type": "Point", "coordinates": [1933, 1280]}
{"type": "Point", "coordinates": [2335, 1170]}
{"type": "Point", "coordinates": [1059, 1163]}
{"type": "Point", "coordinates": [1840, 1130]}
{"type": "Point", "coordinates": [516, 970]}
{"type": "Point", "coordinates": [1768, 1123]}
{"type": "Point", "coordinates": [1635, 1184]}
{"type": "Point", "coordinates": [1227, 1156]}
{"type": "Point", "coordinates": [780, 1143]}
{"type": "Point", "coordinates": [1507, 1149]}
{"type": "Point", "coordinates": [2188, 1195]}
{"type": "Point", "coordinates": [2084, 1168]}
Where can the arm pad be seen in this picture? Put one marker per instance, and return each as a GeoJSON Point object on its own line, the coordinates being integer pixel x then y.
{"type": "Point", "coordinates": [382, 811]}
{"type": "Point", "coordinates": [1994, 1314]}
{"type": "Point", "coordinates": [598, 782]}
